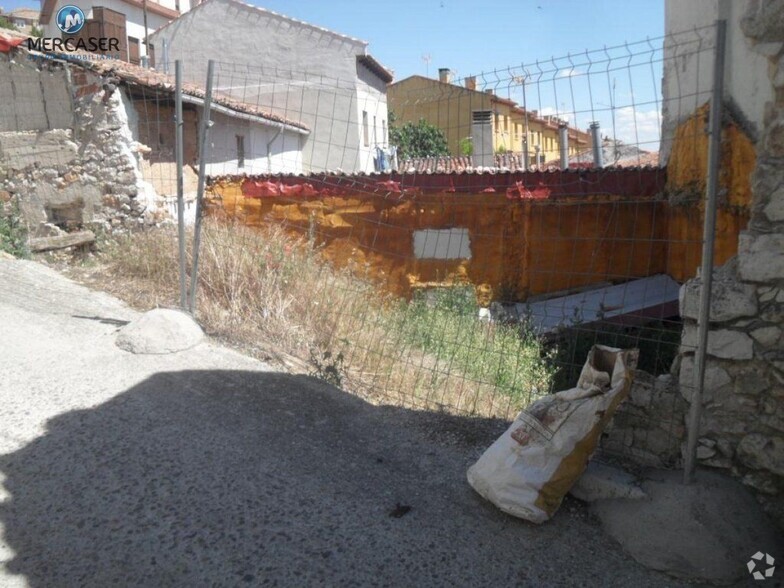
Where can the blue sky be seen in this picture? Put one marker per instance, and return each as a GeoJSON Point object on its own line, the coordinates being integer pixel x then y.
{"type": "Point", "coordinates": [471, 37]}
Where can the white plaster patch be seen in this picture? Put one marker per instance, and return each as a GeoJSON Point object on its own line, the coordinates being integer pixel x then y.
{"type": "Point", "coordinates": [442, 244]}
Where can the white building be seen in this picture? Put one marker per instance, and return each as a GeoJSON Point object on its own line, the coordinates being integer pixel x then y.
{"type": "Point", "coordinates": [323, 79]}
{"type": "Point", "coordinates": [124, 19]}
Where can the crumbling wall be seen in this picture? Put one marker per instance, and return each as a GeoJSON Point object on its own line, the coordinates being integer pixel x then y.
{"type": "Point", "coordinates": [742, 429]}
{"type": "Point", "coordinates": [515, 247]}
{"type": "Point", "coordinates": [84, 173]}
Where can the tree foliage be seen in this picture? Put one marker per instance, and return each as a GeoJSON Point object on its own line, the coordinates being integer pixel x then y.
{"type": "Point", "coordinates": [6, 24]}
{"type": "Point", "coordinates": [417, 140]}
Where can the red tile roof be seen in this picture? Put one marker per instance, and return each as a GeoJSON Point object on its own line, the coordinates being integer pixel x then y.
{"type": "Point", "coordinates": [151, 78]}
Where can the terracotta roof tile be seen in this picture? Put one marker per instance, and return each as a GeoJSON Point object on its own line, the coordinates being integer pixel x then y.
{"type": "Point", "coordinates": [151, 78]}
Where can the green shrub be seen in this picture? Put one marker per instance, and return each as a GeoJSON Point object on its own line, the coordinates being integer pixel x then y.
{"type": "Point", "coordinates": [13, 232]}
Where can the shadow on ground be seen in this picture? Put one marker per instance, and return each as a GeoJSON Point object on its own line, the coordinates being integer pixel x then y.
{"type": "Point", "coordinates": [223, 478]}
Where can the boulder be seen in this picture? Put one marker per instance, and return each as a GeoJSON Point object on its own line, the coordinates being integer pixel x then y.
{"type": "Point", "coordinates": [160, 331]}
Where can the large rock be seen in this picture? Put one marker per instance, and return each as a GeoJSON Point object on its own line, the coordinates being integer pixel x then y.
{"type": "Point", "coordinates": [724, 343]}
{"type": "Point", "coordinates": [761, 257]}
{"type": "Point", "coordinates": [160, 331]}
{"type": "Point", "coordinates": [730, 299]}
{"type": "Point", "coordinates": [760, 452]}
{"type": "Point", "coordinates": [716, 378]}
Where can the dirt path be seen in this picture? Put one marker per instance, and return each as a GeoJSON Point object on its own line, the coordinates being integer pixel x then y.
{"type": "Point", "coordinates": [205, 468]}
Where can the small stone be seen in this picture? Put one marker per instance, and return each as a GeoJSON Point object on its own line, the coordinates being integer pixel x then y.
{"type": "Point", "coordinates": [761, 482]}
{"type": "Point", "coordinates": [601, 482]}
{"type": "Point", "coordinates": [766, 336]}
{"type": "Point", "coordinates": [771, 49]}
{"type": "Point", "coordinates": [774, 210]}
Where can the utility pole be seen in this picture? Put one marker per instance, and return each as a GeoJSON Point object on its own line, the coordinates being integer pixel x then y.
{"type": "Point", "coordinates": [146, 33]}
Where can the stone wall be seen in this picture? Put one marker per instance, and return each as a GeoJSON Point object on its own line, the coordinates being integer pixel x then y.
{"type": "Point", "coordinates": [84, 173]}
{"type": "Point", "coordinates": [742, 430]}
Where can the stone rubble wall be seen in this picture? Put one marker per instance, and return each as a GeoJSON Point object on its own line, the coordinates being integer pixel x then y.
{"type": "Point", "coordinates": [742, 429]}
{"type": "Point", "coordinates": [85, 174]}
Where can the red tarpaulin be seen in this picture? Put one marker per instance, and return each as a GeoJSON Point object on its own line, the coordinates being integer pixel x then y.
{"type": "Point", "coordinates": [8, 43]}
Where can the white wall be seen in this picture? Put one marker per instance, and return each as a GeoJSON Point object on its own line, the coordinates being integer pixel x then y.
{"type": "Point", "coordinates": [267, 150]}
{"type": "Point", "coordinates": [688, 75]}
{"type": "Point", "coordinates": [134, 17]}
{"type": "Point", "coordinates": [371, 98]}
{"type": "Point", "coordinates": [298, 71]}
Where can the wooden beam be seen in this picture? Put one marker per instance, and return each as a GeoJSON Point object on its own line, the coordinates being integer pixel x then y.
{"type": "Point", "coordinates": [62, 241]}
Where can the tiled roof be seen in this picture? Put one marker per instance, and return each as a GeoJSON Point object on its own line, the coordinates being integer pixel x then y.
{"type": "Point", "coordinates": [614, 154]}
{"type": "Point", "coordinates": [373, 65]}
{"type": "Point", "coordinates": [150, 78]}
{"type": "Point", "coordinates": [532, 185]}
{"type": "Point", "coordinates": [513, 162]}
{"type": "Point", "coordinates": [26, 13]}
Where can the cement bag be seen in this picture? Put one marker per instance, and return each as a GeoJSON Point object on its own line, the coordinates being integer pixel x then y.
{"type": "Point", "coordinates": [532, 466]}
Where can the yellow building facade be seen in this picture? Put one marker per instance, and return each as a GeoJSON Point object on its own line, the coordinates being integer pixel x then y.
{"type": "Point", "coordinates": [452, 108]}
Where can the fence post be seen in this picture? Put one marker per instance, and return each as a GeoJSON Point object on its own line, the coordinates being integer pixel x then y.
{"type": "Point", "coordinates": [563, 143]}
{"type": "Point", "coordinates": [204, 132]}
{"type": "Point", "coordinates": [596, 141]}
{"type": "Point", "coordinates": [178, 124]}
{"type": "Point", "coordinates": [708, 239]}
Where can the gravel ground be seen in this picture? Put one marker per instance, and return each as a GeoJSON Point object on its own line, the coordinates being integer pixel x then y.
{"type": "Point", "coordinates": [207, 468]}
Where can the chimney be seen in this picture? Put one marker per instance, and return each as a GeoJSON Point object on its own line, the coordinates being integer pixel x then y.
{"type": "Point", "coordinates": [470, 82]}
{"type": "Point", "coordinates": [445, 75]}
{"type": "Point", "coordinates": [490, 91]}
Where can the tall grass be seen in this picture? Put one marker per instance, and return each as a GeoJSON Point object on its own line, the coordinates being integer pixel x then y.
{"type": "Point", "coordinates": [271, 291]}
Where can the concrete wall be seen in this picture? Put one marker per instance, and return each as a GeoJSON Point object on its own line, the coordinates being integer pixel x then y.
{"type": "Point", "coordinates": [33, 98]}
{"type": "Point", "coordinates": [513, 248]}
{"type": "Point", "coordinates": [293, 69]}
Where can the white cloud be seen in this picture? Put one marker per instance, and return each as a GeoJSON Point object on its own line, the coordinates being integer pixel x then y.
{"type": "Point", "coordinates": [637, 127]}
{"type": "Point", "coordinates": [550, 111]}
{"type": "Point", "coordinates": [568, 73]}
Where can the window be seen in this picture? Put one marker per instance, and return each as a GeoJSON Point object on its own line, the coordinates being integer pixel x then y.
{"type": "Point", "coordinates": [365, 130]}
{"type": "Point", "coordinates": [375, 137]}
{"type": "Point", "coordinates": [383, 131]}
{"type": "Point", "coordinates": [240, 150]}
{"type": "Point", "coordinates": [133, 50]}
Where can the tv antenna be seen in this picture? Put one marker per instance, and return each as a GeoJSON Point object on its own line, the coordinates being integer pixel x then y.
{"type": "Point", "coordinates": [426, 57]}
